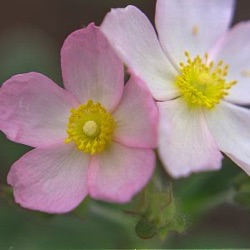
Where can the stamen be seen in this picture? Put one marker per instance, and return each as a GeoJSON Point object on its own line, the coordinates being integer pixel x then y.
{"type": "Point", "coordinates": [90, 127]}
{"type": "Point", "coordinates": [201, 83]}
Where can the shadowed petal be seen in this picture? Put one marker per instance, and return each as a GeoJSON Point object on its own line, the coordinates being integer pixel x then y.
{"type": "Point", "coordinates": [118, 173]}
{"type": "Point", "coordinates": [136, 116]}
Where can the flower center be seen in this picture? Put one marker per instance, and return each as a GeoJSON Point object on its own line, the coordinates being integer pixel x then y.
{"type": "Point", "coordinates": [201, 83]}
{"type": "Point", "coordinates": [90, 127]}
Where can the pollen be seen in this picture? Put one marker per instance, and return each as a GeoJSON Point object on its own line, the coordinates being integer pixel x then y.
{"type": "Point", "coordinates": [90, 127]}
{"type": "Point", "coordinates": [202, 83]}
{"type": "Point", "coordinates": [195, 30]}
{"type": "Point", "coordinates": [245, 73]}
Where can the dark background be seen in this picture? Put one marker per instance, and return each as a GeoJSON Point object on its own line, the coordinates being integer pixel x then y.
{"type": "Point", "coordinates": [31, 35]}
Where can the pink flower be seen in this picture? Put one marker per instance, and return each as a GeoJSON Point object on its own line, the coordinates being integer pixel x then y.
{"type": "Point", "coordinates": [197, 95]}
{"type": "Point", "coordinates": [94, 138]}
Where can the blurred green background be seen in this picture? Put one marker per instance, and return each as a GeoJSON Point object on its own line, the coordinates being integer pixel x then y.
{"type": "Point", "coordinates": [31, 35]}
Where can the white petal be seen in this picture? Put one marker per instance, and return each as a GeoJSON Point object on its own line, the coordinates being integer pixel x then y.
{"type": "Point", "coordinates": [234, 50]}
{"type": "Point", "coordinates": [185, 144]}
{"type": "Point", "coordinates": [230, 126]}
{"type": "Point", "coordinates": [191, 25]}
{"type": "Point", "coordinates": [135, 40]}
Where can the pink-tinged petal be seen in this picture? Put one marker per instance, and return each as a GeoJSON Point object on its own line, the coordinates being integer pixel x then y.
{"type": "Point", "coordinates": [135, 40]}
{"type": "Point", "coordinates": [230, 126]}
{"type": "Point", "coordinates": [136, 116]}
{"type": "Point", "coordinates": [119, 172]}
{"type": "Point", "coordinates": [191, 25]}
{"type": "Point", "coordinates": [91, 69]}
{"type": "Point", "coordinates": [185, 143]}
{"type": "Point", "coordinates": [34, 110]}
{"type": "Point", "coordinates": [234, 49]}
{"type": "Point", "coordinates": [52, 179]}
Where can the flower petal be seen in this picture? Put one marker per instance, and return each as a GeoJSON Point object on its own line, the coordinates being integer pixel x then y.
{"type": "Point", "coordinates": [91, 69]}
{"type": "Point", "coordinates": [185, 144]}
{"type": "Point", "coordinates": [136, 116]}
{"type": "Point", "coordinates": [230, 126]}
{"type": "Point", "coordinates": [135, 40]}
{"type": "Point", "coordinates": [191, 25]}
{"type": "Point", "coordinates": [234, 49]}
{"type": "Point", "coordinates": [120, 172]}
{"type": "Point", "coordinates": [34, 110]}
{"type": "Point", "coordinates": [52, 179]}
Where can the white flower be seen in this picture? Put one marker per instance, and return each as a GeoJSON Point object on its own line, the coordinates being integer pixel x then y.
{"type": "Point", "coordinates": [198, 95]}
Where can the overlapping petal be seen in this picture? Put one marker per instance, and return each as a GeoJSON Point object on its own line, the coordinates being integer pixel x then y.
{"type": "Point", "coordinates": [234, 49]}
{"type": "Point", "coordinates": [120, 172]}
{"type": "Point", "coordinates": [191, 25]}
{"type": "Point", "coordinates": [52, 179]}
{"type": "Point", "coordinates": [185, 143]}
{"type": "Point", "coordinates": [34, 110]}
{"type": "Point", "coordinates": [135, 40]}
{"type": "Point", "coordinates": [91, 69]}
{"type": "Point", "coordinates": [230, 126]}
{"type": "Point", "coordinates": [136, 116]}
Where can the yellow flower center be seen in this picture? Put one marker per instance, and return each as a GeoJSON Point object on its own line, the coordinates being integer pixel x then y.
{"type": "Point", "coordinates": [90, 127]}
{"type": "Point", "coordinates": [201, 83]}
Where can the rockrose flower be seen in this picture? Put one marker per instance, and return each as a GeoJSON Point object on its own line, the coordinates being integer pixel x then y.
{"type": "Point", "coordinates": [93, 138]}
{"type": "Point", "coordinates": [199, 74]}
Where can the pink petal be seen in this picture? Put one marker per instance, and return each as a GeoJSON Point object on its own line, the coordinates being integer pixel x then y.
{"type": "Point", "coordinates": [118, 173]}
{"type": "Point", "coordinates": [34, 110]}
{"type": "Point", "coordinates": [135, 40]}
{"type": "Point", "coordinates": [136, 116]}
{"type": "Point", "coordinates": [234, 49]}
{"type": "Point", "coordinates": [91, 69]}
{"type": "Point", "coordinates": [230, 126]}
{"type": "Point", "coordinates": [185, 144]}
{"type": "Point", "coordinates": [191, 25]}
{"type": "Point", "coordinates": [52, 179]}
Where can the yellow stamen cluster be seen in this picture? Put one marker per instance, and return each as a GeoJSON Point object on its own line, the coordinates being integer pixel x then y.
{"type": "Point", "coordinates": [90, 127]}
{"type": "Point", "coordinates": [201, 83]}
